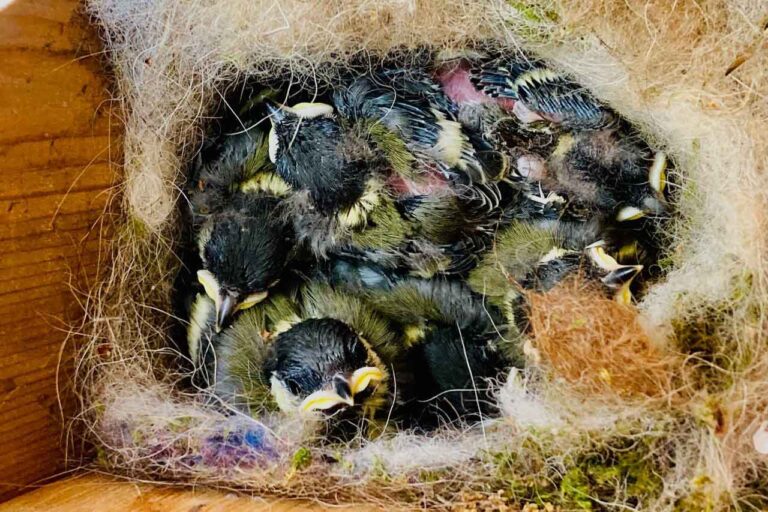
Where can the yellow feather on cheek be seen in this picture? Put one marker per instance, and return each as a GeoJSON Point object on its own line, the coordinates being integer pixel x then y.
{"type": "Point", "coordinates": [267, 182]}
{"type": "Point", "coordinates": [357, 214]}
{"type": "Point", "coordinates": [450, 141]}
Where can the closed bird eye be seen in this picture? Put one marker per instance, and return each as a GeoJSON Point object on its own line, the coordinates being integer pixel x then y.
{"type": "Point", "coordinates": [293, 386]}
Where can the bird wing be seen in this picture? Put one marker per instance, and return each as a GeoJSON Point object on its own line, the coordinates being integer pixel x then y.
{"type": "Point", "coordinates": [542, 90]}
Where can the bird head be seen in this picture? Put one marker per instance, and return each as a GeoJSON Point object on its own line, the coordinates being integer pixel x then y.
{"type": "Point", "coordinates": [244, 253]}
{"type": "Point", "coordinates": [228, 300]}
{"type": "Point", "coordinates": [287, 121]}
{"type": "Point", "coordinates": [654, 203]}
{"type": "Point", "coordinates": [322, 365]}
{"type": "Point", "coordinates": [312, 152]}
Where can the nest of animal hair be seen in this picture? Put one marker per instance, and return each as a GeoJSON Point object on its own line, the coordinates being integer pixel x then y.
{"type": "Point", "coordinates": [548, 293]}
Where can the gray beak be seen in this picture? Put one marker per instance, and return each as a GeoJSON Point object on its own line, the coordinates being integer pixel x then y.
{"type": "Point", "coordinates": [226, 308]}
{"type": "Point", "coordinates": [341, 387]}
{"type": "Point", "coordinates": [276, 114]}
{"type": "Point", "coordinates": [622, 275]}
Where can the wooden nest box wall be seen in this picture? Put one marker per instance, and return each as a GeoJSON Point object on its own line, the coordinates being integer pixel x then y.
{"type": "Point", "coordinates": [60, 153]}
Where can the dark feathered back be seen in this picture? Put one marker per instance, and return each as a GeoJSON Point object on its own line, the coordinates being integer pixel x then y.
{"type": "Point", "coordinates": [319, 156]}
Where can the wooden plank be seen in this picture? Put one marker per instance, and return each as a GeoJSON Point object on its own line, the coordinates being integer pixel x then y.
{"type": "Point", "coordinates": [44, 154]}
{"type": "Point", "coordinates": [41, 25]}
{"type": "Point", "coordinates": [92, 492]}
{"type": "Point", "coordinates": [57, 144]}
{"type": "Point", "coordinates": [43, 182]}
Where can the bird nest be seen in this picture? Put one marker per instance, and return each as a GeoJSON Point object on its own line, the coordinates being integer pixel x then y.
{"type": "Point", "coordinates": [660, 405]}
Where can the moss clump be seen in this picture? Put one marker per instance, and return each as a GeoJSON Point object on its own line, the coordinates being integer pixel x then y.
{"type": "Point", "coordinates": [603, 477]}
{"type": "Point", "coordinates": [524, 475]}
{"type": "Point", "coordinates": [301, 459]}
{"type": "Point", "coordinates": [534, 12]}
{"type": "Point", "coordinates": [707, 338]}
{"type": "Point", "coordinates": [615, 471]}
{"type": "Point", "coordinates": [700, 498]}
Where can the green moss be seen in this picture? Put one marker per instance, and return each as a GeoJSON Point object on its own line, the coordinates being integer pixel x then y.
{"type": "Point", "coordinates": [180, 424]}
{"type": "Point", "coordinates": [430, 476]}
{"type": "Point", "coordinates": [699, 499]}
{"type": "Point", "coordinates": [575, 488]}
{"type": "Point", "coordinates": [98, 410]}
{"type": "Point", "coordinates": [137, 228]}
{"type": "Point", "coordinates": [523, 476]}
{"type": "Point", "coordinates": [706, 338]}
{"type": "Point", "coordinates": [379, 470]}
{"type": "Point", "coordinates": [137, 437]}
{"type": "Point", "coordinates": [301, 459]}
{"type": "Point", "coordinates": [620, 472]}
{"type": "Point", "coordinates": [534, 11]}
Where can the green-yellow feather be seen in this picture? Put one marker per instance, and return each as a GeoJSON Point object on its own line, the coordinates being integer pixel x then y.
{"type": "Point", "coordinates": [393, 147]}
{"type": "Point", "coordinates": [386, 229]}
{"type": "Point", "coordinates": [266, 182]}
{"type": "Point", "coordinates": [518, 249]}
{"type": "Point", "coordinates": [439, 218]}
{"type": "Point", "coordinates": [259, 160]}
{"type": "Point", "coordinates": [248, 351]}
{"type": "Point", "coordinates": [322, 301]}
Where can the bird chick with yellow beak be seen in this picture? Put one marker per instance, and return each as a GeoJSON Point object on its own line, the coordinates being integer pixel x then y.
{"type": "Point", "coordinates": [616, 277]}
{"type": "Point", "coordinates": [322, 365]}
{"type": "Point", "coordinates": [244, 250]}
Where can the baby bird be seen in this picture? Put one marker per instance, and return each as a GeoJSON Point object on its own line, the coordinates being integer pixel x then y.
{"type": "Point", "coordinates": [322, 364]}
{"type": "Point", "coordinates": [314, 153]}
{"type": "Point", "coordinates": [338, 186]}
{"type": "Point", "coordinates": [284, 355]}
{"type": "Point", "coordinates": [536, 255]}
{"type": "Point", "coordinates": [608, 172]}
{"type": "Point", "coordinates": [244, 249]}
{"type": "Point", "coordinates": [384, 211]}
{"type": "Point", "coordinates": [414, 111]}
{"type": "Point", "coordinates": [226, 161]}
{"type": "Point", "coordinates": [337, 354]}
{"type": "Point", "coordinates": [460, 341]}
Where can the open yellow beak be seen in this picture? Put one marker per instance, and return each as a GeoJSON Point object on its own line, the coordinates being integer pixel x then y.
{"type": "Point", "coordinates": [629, 213]}
{"type": "Point", "coordinates": [599, 257]}
{"type": "Point", "coordinates": [624, 295]}
{"type": "Point", "coordinates": [622, 277]}
{"type": "Point", "coordinates": [323, 400]}
{"type": "Point", "coordinates": [363, 377]}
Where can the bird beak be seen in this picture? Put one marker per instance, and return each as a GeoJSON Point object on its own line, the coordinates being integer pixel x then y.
{"type": "Point", "coordinates": [599, 257]}
{"type": "Point", "coordinates": [323, 400]}
{"type": "Point", "coordinates": [252, 299]}
{"type": "Point", "coordinates": [276, 112]}
{"type": "Point", "coordinates": [629, 213]}
{"type": "Point", "coordinates": [225, 308]}
{"type": "Point", "coordinates": [363, 377]}
{"type": "Point", "coordinates": [620, 279]}
{"type": "Point", "coordinates": [657, 176]}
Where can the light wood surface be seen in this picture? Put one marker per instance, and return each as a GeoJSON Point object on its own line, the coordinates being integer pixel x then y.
{"type": "Point", "coordinates": [57, 139]}
{"type": "Point", "coordinates": [101, 494]}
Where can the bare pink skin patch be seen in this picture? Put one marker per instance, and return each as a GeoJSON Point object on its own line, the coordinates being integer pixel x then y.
{"type": "Point", "coordinates": [432, 182]}
{"type": "Point", "coordinates": [459, 88]}
{"type": "Point", "coordinates": [457, 85]}
{"type": "Point", "coordinates": [525, 114]}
